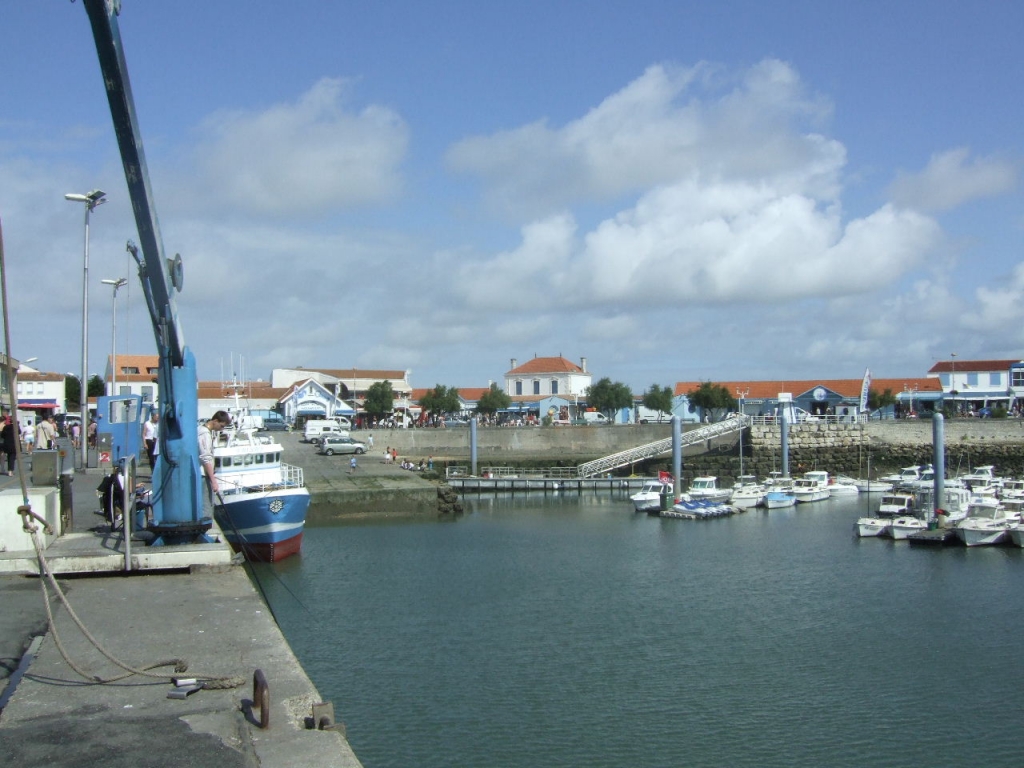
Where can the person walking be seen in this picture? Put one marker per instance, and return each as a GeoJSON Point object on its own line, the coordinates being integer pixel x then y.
{"type": "Point", "coordinates": [28, 436]}
{"type": "Point", "coordinates": [9, 441]}
{"type": "Point", "coordinates": [353, 465]}
{"type": "Point", "coordinates": [46, 433]}
{"type": "Point", "coordinates": [150, 433]}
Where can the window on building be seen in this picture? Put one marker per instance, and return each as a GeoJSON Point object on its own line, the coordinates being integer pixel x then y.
{"type": "Point", "coordinates": [519, 387]}
{"type": "Point", "coordinates": [147, 394]}
{"type": "Point", "coordinates": [536, 386]}
{"type": "Point", "coordinates": [130, 369]}
{"type": "Point", "coordinates": [995, 379]}
{"type": "Point", "coordinates": [972, 379]}
{"type": "Point", "coordinates": [1018, 377]}
{"type": "Point", "coordinates": [554, 386]}
{"type": "Point", "coordinates": [944, 380]}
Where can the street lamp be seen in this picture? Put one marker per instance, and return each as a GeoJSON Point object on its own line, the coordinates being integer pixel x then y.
{"type": "Point", "coordinates": [91, 200]}
{"type": "Point", "coordinates": [952, 380]}
{"type": "Point", "coordinates": [113, 334]}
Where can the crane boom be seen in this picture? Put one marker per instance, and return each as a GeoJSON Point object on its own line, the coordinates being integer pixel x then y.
{"type": "Point", "coordinates": [177, 483]}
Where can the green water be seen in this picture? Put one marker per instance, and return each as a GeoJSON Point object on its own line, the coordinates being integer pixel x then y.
{"type": "Point", "coordinates": [551, 631]}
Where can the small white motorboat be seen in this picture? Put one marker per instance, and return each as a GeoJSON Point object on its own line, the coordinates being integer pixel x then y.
{"type": "Point", "coordinates": [648, 498]}
{"type": "Point", "coordinates": [872, 526]}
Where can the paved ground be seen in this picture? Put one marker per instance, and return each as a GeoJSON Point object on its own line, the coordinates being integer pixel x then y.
{"type": "Point", "coordinates": [213, 618]}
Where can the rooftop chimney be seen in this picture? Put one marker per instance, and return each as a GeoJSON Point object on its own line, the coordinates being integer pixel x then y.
{"type": "Point", "coordinates": [512, 365]}
{"type": "Point", "coordinates": [583, 364]}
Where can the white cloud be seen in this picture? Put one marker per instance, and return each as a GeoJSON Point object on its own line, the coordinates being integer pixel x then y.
{"type": "Point", "coordinates": [953, 178]}
{"type": "Point", "coordinates": [669, 122]}
{"type": "Point", "coordinates": [1000, 309]}
{"type": "Point", "coordinates": [303, 158]}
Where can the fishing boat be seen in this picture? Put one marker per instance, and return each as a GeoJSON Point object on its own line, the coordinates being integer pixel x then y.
{"type": "Point", "coordinates": [262, 503]}
{"type": "Point", "coordinates": [706, 489]}
{"type": "Point", "coordinates": [747, 493]}
{"type": "Point", "coordinates": [813, 486]}
{"type": "Point", "coordinates": [987, 522]}
{"type": "Point", "coordinates": [843, 486]}
{"type": "Point", "coordinates": [648, 498]}
{"type": "Point", "coordinates": [872, 526]}
{"type": "Point", "coordinates": [780, 498]}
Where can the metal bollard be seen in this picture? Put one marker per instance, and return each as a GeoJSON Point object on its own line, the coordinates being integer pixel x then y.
{"type": "Point", "coordinates": [261, 697]}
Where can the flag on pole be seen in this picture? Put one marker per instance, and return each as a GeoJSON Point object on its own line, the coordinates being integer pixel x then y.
{"type": "Point", "coordinates": [665, 478]}
{"type": "Point", "coordinates": [865, 387]}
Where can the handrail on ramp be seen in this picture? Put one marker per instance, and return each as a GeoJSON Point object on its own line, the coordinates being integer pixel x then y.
{"type": "Point", "coordinates": [734, 423]}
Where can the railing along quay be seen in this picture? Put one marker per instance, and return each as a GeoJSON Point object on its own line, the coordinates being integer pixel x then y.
{"type": "Point", "coordinates": [732, 424]}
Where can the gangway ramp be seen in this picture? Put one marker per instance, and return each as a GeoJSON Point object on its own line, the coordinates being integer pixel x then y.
{"type": "Point", "coordinates": [734, 423]}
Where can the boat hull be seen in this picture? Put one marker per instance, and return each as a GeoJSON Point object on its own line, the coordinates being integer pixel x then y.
{"type": "Point", "coordinates": [817, 494]}
{"type": "Point", "coordinates": [265, 525]}
{"type": "Point", "coordinates": [779, 500]}
{"type": "Point", "coordinates": [872, 526]}
{"type": "Point", "coordinates": [981, 536]}
{"type": "Point", "coordinates": [902, 527]}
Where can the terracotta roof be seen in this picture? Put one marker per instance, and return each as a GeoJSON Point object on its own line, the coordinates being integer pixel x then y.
{"type": "Point", "coordinates": [546, 365]}
{"type": "Point", "coordinates": [769, 390]}
{"type": "Point", "coordinates": [40, 376]}
{"type": "Point", "coordinates": [212, 390]}
{"type": "Point", "coordinates": [974, 366]}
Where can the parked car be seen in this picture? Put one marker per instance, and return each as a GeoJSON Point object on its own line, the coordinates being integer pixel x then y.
{"type": "Point", "coordinates": [332, 444]}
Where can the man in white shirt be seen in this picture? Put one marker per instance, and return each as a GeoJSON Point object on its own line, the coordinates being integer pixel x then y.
{"type": "Point", "coordinates": [217, 422]}
{"type": "Point", "coordinates": [150, 433]}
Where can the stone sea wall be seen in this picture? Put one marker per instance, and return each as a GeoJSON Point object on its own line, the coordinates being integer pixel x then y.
{"type": "Point", "coordinates": [838, 448]}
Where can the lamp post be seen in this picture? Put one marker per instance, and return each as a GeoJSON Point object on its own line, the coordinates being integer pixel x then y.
{"type": "Point", "coordinates": [91, 200]}
{"type": "Point", "coordinates": [952, 380]}
{"type": "Point", "coordinates": [740, 394]}
{"type": "Point", "coordinates": [121, 281]}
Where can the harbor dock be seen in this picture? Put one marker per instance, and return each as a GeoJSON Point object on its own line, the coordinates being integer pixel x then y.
{"type": "Point", "coordinates": [193, 604]}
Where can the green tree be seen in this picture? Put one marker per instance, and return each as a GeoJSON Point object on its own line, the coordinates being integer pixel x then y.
{"type": "Point", "coordinates": [380, 399]}
{"type": "Point", "coordinates": [441, 400]}
{"type": "Point", "coordinates": [607, 396]}
{"type": "Point", "coordinates": [658, 399]}
{"type": "Point", "coordinates": [878, 400]}
{"type": "Point", "coordinates": [96, 387]}
{"type": "Point", "coordinates": [73, 393]}
{"type": "Point", "coordinates": [713, 399]}
{"type": "Point", "coordinates": [493, 400]}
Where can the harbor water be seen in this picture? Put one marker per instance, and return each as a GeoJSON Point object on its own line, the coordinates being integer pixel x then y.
{"type": "Point", "coordinates": [567, 630]}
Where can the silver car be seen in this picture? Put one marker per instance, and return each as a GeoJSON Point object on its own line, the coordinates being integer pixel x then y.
{"type": "Point", "coordinates": [332, 444]}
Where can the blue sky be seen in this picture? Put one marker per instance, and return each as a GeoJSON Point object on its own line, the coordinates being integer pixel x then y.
{"type": "Point", "coordinates": [675, 191]}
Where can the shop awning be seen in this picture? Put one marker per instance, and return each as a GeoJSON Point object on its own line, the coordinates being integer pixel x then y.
{"type": "Point", "coordinates": [29, 405]}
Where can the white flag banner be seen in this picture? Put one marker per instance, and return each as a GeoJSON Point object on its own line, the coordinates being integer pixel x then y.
{"type": "Point", "coordinates": [865, 387]}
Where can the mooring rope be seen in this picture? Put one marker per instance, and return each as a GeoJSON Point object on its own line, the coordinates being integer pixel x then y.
{"type": "Point", "coordinates": [30, 524]}
{"type": "Point", "coordinates": [180, 665]}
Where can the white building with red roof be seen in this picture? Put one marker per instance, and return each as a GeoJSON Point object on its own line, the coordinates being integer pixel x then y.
{"type": "Point", "coordinates": [546, 376]}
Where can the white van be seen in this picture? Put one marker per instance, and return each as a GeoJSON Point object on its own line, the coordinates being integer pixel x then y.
{"type": "Point", "coordinates": [316, 427]}
{"type": "Point", "coordinates": [595, 417]}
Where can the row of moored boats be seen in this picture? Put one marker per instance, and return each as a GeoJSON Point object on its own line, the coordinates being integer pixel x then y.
{"type": "Point", "coordinates": [979, 507]}
{"type": "Point", "coordinates": [705, 498]}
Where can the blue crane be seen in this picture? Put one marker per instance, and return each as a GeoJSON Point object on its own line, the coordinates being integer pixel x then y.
{"type": "Point", "coordinates": [177, 482]}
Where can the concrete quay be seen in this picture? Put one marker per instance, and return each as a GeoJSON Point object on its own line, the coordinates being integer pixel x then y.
{"type": "Point", "coordinates": [205, 612]}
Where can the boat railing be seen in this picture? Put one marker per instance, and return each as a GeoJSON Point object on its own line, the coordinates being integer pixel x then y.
{"type": "Point", "coordinates": [292, 475]}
